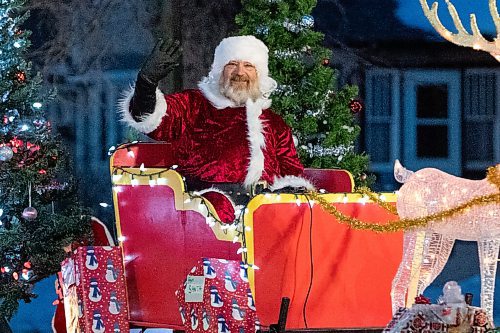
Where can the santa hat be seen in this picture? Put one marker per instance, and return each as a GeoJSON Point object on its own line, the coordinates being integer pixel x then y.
{"type": "Point", "coordinates": [244, 48]}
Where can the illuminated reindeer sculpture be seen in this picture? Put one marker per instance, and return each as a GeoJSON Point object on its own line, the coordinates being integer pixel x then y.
{"type": "Point", "coordinates": [425, 192]}
{"type": "Point", "coordinates": [462, 37]}
{"type": "Point", "coordinates": [426, 250]}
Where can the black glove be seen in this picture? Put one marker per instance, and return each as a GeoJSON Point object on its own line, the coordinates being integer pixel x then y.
{"type": "Point", "coordinates": [161, 61]}
{"type": "Point", "coordinates": [143, 102]}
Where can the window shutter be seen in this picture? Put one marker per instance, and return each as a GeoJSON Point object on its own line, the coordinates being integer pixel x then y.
{"type": "Point", "coordinates": [481, 125]}
{"type": "Point", "coordinates": [382, 121]}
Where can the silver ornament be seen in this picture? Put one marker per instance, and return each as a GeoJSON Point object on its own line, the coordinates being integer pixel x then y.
{"type": "Point", "coordinates": [307, 21]}
{"type": "Point", "coordinates": [292, 27]}
{"type": "Point", "coordinates": [12, 114]}
{"type": "Point", "coordinates": [6, 153]}
{"type": "Point", "coordinates": [30, 213]}
{"type": "Point", "coordinates": [262, 30]}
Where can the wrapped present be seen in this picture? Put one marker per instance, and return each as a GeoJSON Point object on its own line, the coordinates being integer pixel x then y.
{"type": "Point", "coordinates": [451, 318]}
{"type": "Point", "coordinates": [216, 298]}
{"type": "Point", "coordinates": [95, 298]}
{"type": "Point", "coordinates": [420, 318]}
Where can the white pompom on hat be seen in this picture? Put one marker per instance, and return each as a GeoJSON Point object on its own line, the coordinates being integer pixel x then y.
{"type": "Point", "coordinates": [239, 48]}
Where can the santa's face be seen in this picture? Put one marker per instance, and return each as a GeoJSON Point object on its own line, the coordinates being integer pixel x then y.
{"type": "Point", "coordinates": [239, 82]}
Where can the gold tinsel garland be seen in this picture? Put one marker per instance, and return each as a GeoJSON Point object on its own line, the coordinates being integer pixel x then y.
{"type": "Point", "coordinates": [376, 198]}
{"type": "Point", "coordinates": [493, 177]}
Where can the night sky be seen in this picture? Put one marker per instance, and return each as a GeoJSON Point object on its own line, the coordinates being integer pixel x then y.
{"type": "Point", "coordinates": [410, 13]}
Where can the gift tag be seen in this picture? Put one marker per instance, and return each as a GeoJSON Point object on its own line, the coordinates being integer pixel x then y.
{"type": "Point", "coordinates": [194, 288]}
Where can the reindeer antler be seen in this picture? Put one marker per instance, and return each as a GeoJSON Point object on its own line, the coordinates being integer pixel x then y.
{"type": "Point", "coordinates": [463, 37]}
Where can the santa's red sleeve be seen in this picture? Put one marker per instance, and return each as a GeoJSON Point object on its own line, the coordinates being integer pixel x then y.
{"type": "Point", "coordinates": [167, 122]}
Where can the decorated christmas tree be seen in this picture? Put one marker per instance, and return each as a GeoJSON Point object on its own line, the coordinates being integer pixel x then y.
{"type": "Point", "coordinates": [323, 117]}
{"type": "Point", "coordinates": [39, 213]}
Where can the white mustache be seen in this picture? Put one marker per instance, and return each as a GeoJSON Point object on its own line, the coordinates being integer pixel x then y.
{"type": "Point", "coordinates": [240, 78]}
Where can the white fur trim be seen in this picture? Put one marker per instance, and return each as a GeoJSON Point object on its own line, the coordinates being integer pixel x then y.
{"type": "Point", "coordinates": [52, 323]}
{"type": "Point", "coordinates": [257, 142]}
{"type": "Point", "coordinates": [240, 48]}
{"type": "Point", "coordinates": [246, 48]}
{"type": "Point", "coordinates": [291, 181]}
{"type": "Point", "coordinates": [148, 123]}
{"type": "Point", "coordinates": [111, 242]}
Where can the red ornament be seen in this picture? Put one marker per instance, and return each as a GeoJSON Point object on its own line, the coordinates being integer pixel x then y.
{"type": "Point", "coordinates": [42, 172]}
{"type": "Point", "coordinates": [15, 276]}
{"type": "Point", "coordinates": [20, 77]}
{"type": "Point", "coordinates": [17, 143]}
{"type": "Point", "coordinates": [2, 269]}
{"type": "Point", "coordinates": [27, 264]}
{"type": "Point", "coordinates": [326, 62]}
{"type": "Point", "coordinates": [480, 318]}
{"type": "Point", "coordinates": [32, 147]}
{"type": "Point", "coordinates": [418, 323]}
{"type": "Point", "coordinates": [422, 300]}
{"type": "Point", "coordinates": [356, 106]}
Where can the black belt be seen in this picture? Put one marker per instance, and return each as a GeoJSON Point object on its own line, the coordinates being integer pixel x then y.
{"type": "Point", "coordinates": [237, 192]}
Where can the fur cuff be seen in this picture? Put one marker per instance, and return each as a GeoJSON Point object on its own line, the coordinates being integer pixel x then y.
{"type": "Point", "coordinates": [291, 181]}
{"type": "Point", "coordinates": [150, 122]}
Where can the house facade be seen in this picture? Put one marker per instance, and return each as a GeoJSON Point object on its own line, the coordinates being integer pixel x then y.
{"type": "Point", "coordinates": [436, 107]}
{"type": "Point", "coordinates": [427, 103]}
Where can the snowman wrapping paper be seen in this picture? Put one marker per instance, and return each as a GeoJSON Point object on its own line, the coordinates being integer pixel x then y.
{"type": "Point", "coordinates": [94, 282]}
{"type": "Point", "coordinates": [216, 298]}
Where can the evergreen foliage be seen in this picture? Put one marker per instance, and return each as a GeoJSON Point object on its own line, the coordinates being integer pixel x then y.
{"type": "Point", "coordinates": [33, 173]}
{"type": "Point", "coordinates": [307, 96]}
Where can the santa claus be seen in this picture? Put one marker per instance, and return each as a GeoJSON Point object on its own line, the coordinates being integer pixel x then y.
{"type": "Point", "coordinates": [224, 131]}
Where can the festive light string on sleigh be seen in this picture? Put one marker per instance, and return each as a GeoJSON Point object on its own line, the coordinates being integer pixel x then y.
{"type": "Point", "coordinates": [238, 232]}
{"type": "Point", "coordinates": [493, 177]}
{"type": "Point", "coordinates": [155, 177]}
{"type": "Point", "coordinates": [406, 224]}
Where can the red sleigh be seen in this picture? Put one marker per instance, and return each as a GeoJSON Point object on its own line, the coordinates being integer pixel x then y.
{"type": "Point", "coordinates": [163, 232]}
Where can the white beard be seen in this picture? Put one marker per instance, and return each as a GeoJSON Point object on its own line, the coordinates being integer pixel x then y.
{"type": "Point", "coordinates": [240, 95]}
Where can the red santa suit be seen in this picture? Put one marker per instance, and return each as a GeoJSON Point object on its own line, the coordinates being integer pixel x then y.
{"type": "Point", "coordinates": [227, 145]}
{"type": "Point", "coordinates": [217, 141]}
